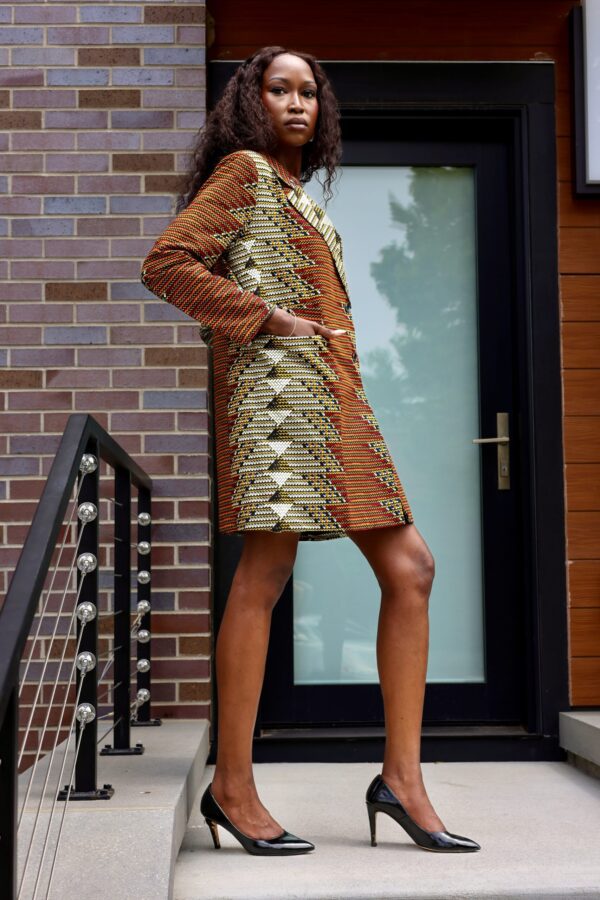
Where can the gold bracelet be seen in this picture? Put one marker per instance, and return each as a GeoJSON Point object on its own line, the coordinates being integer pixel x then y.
{"type": "Point", "coordinates": [295, 320]}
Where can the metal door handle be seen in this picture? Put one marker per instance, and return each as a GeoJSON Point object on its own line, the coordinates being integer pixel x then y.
{"type": "Point", "coordinates": [501, 440]}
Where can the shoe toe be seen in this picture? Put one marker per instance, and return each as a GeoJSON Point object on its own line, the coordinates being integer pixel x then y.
{"type": "Point", "coordinates": [446, 840]}
{"type": "Point", "coordinates": [285, 841]}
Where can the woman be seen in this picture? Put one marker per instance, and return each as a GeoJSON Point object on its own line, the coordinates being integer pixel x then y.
{"type": "Point", "coordinates": [299, 452]}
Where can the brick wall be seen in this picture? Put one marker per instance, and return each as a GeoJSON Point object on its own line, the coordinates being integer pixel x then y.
{"type": "Point", "coordinates": [98, 106]}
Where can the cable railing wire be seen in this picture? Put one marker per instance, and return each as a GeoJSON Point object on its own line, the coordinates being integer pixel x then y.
{"type": "Point", "coordinates": [74, 477]}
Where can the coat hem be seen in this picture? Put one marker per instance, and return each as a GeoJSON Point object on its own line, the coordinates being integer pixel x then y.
{"type": "Point", "coordinates": [320, 535]}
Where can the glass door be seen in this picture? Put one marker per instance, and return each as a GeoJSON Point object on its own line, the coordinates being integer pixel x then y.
{"type": "Point", "coordinates": [426, 233]}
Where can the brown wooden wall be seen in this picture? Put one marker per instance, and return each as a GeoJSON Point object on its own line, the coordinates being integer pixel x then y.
{"type": "Point", "coordinates": [494, 30]}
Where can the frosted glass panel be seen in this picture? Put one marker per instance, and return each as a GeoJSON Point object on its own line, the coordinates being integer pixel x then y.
{"type": "Point", "coordinates": [409, 250]}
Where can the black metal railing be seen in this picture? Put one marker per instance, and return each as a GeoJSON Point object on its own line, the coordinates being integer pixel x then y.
{"type": "Point", "coordinates": [28, 650]}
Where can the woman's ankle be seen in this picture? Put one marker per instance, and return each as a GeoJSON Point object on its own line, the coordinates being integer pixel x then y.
{"type": "Point", "coordinates": [234, 786]}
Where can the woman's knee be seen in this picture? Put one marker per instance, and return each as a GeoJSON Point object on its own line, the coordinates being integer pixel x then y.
{"type": "Point", "coordinates": [415, 568]}
{"type": "Point", "coordinates": [263, 570]}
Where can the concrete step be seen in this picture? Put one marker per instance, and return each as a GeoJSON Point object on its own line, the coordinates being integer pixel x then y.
{"type": "Point", "coordinates": [537, 823]}
{"type": "Point", "coordinates": [125, 847]}
{"type": "Point", "coordinates": [579, 734]}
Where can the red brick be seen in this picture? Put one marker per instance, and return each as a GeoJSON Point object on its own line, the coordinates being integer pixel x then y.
{"type": "Point", "coordinates": [192, 421]}
{"type": "Point", "coordinates": [43, 357]}
{"type": "Point", "coordinates": [89, 401]}
{"type": "Point", "coordinates": [192, 465]}
{"type": "Point", "coordinates": [194, 555]}
{"type": "Point", "coordinates": [173, 14]}
{"type": "Point", "coordinates": [108, 312]}
{"type": "Point", "coordinates": [22, 77]}
{"type": "Point", "coordinates": [78, 378]}
{"type": "Point", "coordinates": [199, 600]}
{"type": "Point", "coordinates": [17, 423]}
{"type": "Point", "coordinates": [29, 292]}
{"type": "Point", "coordinates": [195, 690]}
{"type": "Point", "coordinates": [43, 184]}
{"type": "Point", "coordinates": [20, 379]}
{"type": "Point", "coordinates": [142, 421]}
{"type": "Point", "coordinates": [26, 490]}
{"type": "Point", "coordinates": [108, 184]}
{"type": "Point", "coordinates": [144, 378]}
{"type": "Point", "coordinates": [105, 226]}
{"type": "Point", "coordinates": [159, 465]}
{"type": "Point", "coordinates": [141, 335]}
{"type": "Point", "coordinates": [194, 509]}
{"type": "Point", "coordinates": [19, 206]}
{"type": "Point", "coordinates": [76, 291]}
{"type": "Point", "coordinates": [108, 98]}
{"type": "Point", "coordinates": [53, 400]}
{"type": "Point", "coordinates": [175, 356]}
{"type": "Point", "coordinates": [20, 119]}
{"type": "Point", "coordinates": [182, 668]}
{"type": "Point", "coordinates": [17, 512]}
{"type": "Point", "coordinates": [143, 162]}
{"type": "Point", "coordinates": [108, 56]}
{"type": "Point", "coordinates": [49, 97]}
{"type": "Point", "coordinates": [44, 269]}
{"type": "Point", "coordinates": [40, 312]}
{"type": "Point", "coordinates": [197, 645]}
{"type": "Point", "coordinates": [179, 623]}
{"type": "Point", "coordinates": [192, 378]}
{"type": "Point", "coordinates": [19, 335]}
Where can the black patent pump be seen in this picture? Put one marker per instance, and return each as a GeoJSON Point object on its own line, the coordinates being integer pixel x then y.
{"type": "Point", "coordinates": [380, 798]}
{"type": "Point", "coordinates": [284, 844]}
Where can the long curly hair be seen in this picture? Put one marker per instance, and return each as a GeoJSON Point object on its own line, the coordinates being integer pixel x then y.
{"type": "Point", "coordinates": [240, 121]}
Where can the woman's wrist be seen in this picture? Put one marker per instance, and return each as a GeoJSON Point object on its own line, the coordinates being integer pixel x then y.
{"type": "Point", "coordinates": [278, 322]}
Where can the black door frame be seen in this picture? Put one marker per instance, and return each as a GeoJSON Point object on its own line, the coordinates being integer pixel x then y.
{"type": "Point", "coordinates": [521, 96]}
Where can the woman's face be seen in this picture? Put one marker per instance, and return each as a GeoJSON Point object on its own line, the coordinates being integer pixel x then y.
{"type": "Point", "coordinates": [289, 92]}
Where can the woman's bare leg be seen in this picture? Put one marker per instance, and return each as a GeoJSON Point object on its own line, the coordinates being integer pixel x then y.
{"type": "Point", "coordinates": [264, 568]}
{"type": "Point", "coordinates": [404, 568]}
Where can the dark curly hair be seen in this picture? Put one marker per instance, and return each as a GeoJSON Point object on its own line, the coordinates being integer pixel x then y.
{"type": "Point", "coordinates": [240, 121]}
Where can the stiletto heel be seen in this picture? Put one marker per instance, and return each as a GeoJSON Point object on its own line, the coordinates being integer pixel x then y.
{"type": "Point", "coordinates": [215, 833]}
{"type": "Point", "coordinates": [372, 813]}
{"type": "Point", "coordinates": [380, 798]}
{"type": "Point", "coordinates": [284, 844]}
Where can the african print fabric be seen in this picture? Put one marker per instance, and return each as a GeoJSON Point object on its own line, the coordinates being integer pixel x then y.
{"type": "Point", "coordinates": [298, 447]}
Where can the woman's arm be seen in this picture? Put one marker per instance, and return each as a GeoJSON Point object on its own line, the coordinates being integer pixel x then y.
{"type": "Point", "coordinates": [178, 267]}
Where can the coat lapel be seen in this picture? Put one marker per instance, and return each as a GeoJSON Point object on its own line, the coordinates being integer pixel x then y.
{"type": "Point", "coordinates": [314, 215]}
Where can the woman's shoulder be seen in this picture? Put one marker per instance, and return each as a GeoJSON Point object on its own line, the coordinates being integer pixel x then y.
{"type": "Point", "coordinates": [238, 163]}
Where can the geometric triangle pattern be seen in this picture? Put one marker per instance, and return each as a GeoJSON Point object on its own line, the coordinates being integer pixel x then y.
{"type": "Point", "coordinates": [298, 446]}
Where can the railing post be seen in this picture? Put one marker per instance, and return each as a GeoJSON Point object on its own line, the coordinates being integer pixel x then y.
{"type": "Point", "coordinates": [144, 593]}
{"type": "Point", "coordinates": [122, 616]}
{"type": "Point", "coordinates": [8, 795]}
{"type": "Point", "coordinates": [87, 635]}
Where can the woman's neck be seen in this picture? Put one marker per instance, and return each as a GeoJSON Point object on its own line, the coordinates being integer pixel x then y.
{"type": "Point", "coordinates": [290, 158]}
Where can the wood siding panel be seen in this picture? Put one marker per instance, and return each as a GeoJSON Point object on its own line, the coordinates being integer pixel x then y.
{"type": "Point", "coordinates": [584, 582]}
{"type": "Point", "coordinates": [582, 439]}
{"type": "Point", "coordinates": [580, 294]}
{"type": "Point", "coordinates": [585, 631]}
{"type": "Point", "coordinates": [582, 392]}
{"type": "Point", "coordinates": [581, 345]}
{"type": "Point", "coordinates": [583, 532]}
{"type": "Point", "coordinates": [495, 30]}
{"type": "Point", "coordinates": [585, 681]}
{"type": "Point", "coordinates": [583, 487]}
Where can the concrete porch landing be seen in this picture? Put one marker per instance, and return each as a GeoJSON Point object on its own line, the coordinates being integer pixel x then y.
{"type": "Point", "coordinates": [538, 824]}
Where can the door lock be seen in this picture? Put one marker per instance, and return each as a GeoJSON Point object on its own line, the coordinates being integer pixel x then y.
{"type": "Point", "coordinates": [502, 441]}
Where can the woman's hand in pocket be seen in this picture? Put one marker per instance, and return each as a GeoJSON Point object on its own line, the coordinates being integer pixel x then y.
{"type": "Point", "coordinates": [282, 323]}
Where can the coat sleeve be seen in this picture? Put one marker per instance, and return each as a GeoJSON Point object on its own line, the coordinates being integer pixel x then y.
{"type": "Point", "coordinates": [179, 266]}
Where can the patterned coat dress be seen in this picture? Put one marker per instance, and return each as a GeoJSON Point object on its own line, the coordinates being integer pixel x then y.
{"type": "Point", "coordinates": [298, 447]}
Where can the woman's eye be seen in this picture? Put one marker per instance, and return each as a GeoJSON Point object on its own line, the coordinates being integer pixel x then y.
{"type": "Point", "coordinates": [310, 93]}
